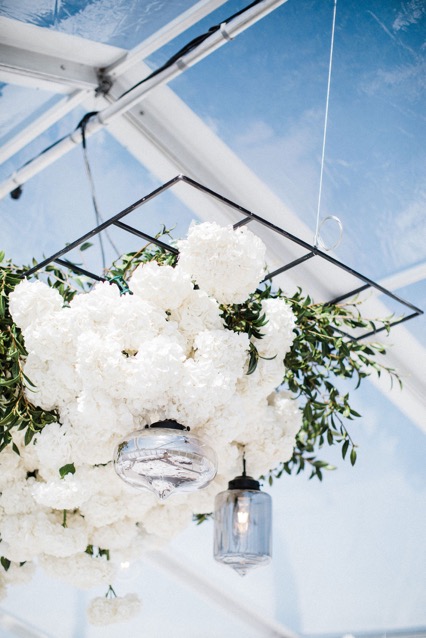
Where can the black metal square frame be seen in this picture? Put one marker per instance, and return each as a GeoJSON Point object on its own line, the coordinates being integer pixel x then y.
{"type": "Point", "coordinates": [248, 216]}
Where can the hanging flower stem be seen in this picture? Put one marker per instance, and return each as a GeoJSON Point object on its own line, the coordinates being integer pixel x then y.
{"type": "Point", "coordinates": [111, 593]}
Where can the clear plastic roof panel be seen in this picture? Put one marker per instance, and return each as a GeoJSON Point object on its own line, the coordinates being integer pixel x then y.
{"type": "Point", "coordinates": [20, 106]}
{"type": "Point", "coordinates": [268, 104]}
{"type": "Point", "coordinates": [117, 22]}
{"type": "Point", "coordinates": [68, 210]}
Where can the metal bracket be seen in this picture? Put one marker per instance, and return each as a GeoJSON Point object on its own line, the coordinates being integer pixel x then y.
{"type": "Point", "coordinates": [105, 82]}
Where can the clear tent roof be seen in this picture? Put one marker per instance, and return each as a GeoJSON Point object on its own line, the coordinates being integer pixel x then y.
{"type": "Point", "coordinates": [248, 121]}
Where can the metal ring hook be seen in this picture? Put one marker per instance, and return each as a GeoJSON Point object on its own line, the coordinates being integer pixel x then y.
{"type": "Point", "coordinates": [318, 240]}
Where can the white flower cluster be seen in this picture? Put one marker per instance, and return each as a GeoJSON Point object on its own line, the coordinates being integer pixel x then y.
{"type": "Point", "coordinates": [105, 611]}
{"type": "Point", "coordinates": [227, 265]}
{"type": "Point", "coordinates": [111, 364]}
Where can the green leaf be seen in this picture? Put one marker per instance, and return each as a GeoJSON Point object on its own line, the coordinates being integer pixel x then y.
{"type": "Point", "coordinates": [9, 382]}
{"type": "Point", "coordinates": [345, 448]}
{"type": "Point", "coordinates": [67, 469]}
{"type": "Point", "coordinates": [5, 562]}
{"type": "Point", "coordinates": [252, 361]}
{"type": "Point", "coordinates": [200, 518]}
{"type": "Point", "coordinates": [86, 245]}
{"type": "Point", "coordinates": [353, 456]}
{"type": "Point", "coordinates": [16, 449]}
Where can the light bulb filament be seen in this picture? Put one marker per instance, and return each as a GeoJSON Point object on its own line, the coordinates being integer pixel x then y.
{"type": "Point", "coordinates": [242, 521]}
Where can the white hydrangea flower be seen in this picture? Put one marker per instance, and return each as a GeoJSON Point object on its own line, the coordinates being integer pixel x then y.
{"type": "Point", "coordinates": [17, 498]}
{"type": "Point", "coordinates": [33, 301]}
{"type": "Point", "coordinates": [94, 309]}
{"type": "Point", "coordinates": [80, 570]}
{"type": "Point", "coordinates": [134, 322]}
{"type": "Point", "coordinates": [66, 493]}
{"type": "Point", "coordinates": [21, 539]}
{"type": "Point", "coordinates": [108, 503]}
{"type": "Point", "coordinates": [122, 533]}
{"type": "Point", "coordinates": [278, 334]}
{"type": "Point", "coordinates": [228, 264]}
{"type": "Point", "coordinates": [153, 374]}
{"type": "Point", "coordinates": [63, 541]}
{"type": "Point", "coordinates": [197, 313]}
{"type": "Point", "coordinates": [267, 376]}
{"type": "Point", "coordinates": [209, 378]}
{"type": "Point", "coordinates": [105, 611]}
{"type": "Point", "coordinates": [163, 286]}
{"type": "Point", "coordinates": [53, 448]}
{"type": "Point", "coordinates": [286, 409]}
{"type": "Point", "coordinates": [165, 521]}
{"type": "Point", "coordinates": [39, 371]}
{"type": "Point", "coordinates": [12, 469]}
{"type": "Point", "coordinates": [271, 441]}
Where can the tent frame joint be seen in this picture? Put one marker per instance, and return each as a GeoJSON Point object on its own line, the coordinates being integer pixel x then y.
{"type": "Point", "coordinates": [105, 82]}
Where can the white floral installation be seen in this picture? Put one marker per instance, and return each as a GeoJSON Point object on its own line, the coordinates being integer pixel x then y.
{"type": "Point", "coordinates": [105, 364]}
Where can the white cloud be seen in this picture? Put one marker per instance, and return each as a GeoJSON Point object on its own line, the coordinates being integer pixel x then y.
{"type": "Point", "coordinates": [411, 12]}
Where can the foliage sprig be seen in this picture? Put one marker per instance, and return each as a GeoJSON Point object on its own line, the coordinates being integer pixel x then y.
{"type": "Point", "coordinates": [16, 411]}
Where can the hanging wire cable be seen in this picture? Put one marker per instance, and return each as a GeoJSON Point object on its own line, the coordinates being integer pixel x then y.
{"type": "Point", "coordinates": [193, 44]}
{"type": "Point", "coordinates": [82, 124]}
{"type": "Point", "coordinates": [319, 223]}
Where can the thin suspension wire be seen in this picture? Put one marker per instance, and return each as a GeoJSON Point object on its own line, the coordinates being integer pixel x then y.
{"type": "Point", "coordinates": [330, 66]}
{"type": "Point", "coordinates": [95, 205]}
{"type": "Point", "coordinates": [98, 215]}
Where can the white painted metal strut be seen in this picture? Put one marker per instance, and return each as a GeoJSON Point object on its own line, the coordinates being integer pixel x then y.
{"type": "Point", "coordinates": [229, 31]}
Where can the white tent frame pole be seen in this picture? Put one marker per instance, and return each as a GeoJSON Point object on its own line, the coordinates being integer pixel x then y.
{"type": "Point", "coordinates": [126, 102]}
{"type": "Point", "coordinates": [154, 42]}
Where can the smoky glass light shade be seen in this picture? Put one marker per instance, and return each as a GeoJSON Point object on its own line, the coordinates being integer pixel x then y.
{"type": "Point", "coordinates": [243, 527]}
{"type": "Point", "coordinates": [164, 458]}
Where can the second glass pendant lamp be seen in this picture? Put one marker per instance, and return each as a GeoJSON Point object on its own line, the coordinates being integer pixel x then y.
{"type": "Point", "coordinates": [243, 525]}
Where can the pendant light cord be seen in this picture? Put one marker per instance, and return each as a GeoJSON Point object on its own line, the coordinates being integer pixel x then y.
{"type": "Point", "coordinates": [319, 223]}
{"type": "Point", "coordinates": [82, 125]}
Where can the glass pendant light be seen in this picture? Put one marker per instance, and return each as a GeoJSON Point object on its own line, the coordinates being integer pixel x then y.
{"type": "Point", "coordinates": [243, 525]}
{"type": "Point", "coordinates": [165, 458]}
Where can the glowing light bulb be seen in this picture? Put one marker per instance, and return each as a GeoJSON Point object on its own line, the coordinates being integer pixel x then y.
{"type": "Point", "coordinates": [242, 515]}
{"type": "Point", "coordinates": [242, 525]}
